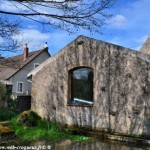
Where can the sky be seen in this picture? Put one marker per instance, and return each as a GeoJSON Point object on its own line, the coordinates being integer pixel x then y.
{"type": "Point", "coordinates": [128, 27]}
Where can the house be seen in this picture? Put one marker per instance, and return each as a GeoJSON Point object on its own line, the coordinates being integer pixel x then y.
{"type": "Point", "coordinates": [96, 85]}
{"type": "Point", "coordinates": [14, 70]}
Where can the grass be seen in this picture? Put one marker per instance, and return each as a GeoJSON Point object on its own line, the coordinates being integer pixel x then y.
{"type": "Point", "coordinates": [37, 129]}
{"type": "Point", "coordinates": [44, 131]}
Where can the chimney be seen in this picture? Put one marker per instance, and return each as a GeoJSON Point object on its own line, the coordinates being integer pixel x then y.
{"type": "Point", "coordinates": [45, 45]}
{"type": "Point", "coordinates": [25, 53]}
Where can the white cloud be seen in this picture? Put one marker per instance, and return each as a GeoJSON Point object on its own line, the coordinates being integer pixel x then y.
{"type": "Point", "coordinates": [1, 40]}
{"type": "Point", "coordinates": [118, 21]}
{"type": "Point", "coordinates": [137, 13]}
{"type": "Point", "coordinates": [12, 6]}
{"type": "Point", "coordinates": [130, 25]}
{"type": "Point", "coordinates": [34, 38]}
{"type": "Point", "coordinates": [141, 39]}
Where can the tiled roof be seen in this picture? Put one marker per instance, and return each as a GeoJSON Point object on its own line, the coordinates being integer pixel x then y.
{"type": "Point", "coordinates": [6, 82]}
{"type": "Point", "coordinates": [6, 72]}
{"type": "Point", "coordinates": [9, 66]}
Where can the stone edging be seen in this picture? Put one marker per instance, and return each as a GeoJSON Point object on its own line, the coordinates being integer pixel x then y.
{"type": "Point", "coordinates": [127, 139]}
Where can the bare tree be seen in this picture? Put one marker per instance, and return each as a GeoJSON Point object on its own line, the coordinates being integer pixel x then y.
{"type": "Point", "coordinates": [8, 29]}
{"type": "Point", "coordinates": [68, 15]}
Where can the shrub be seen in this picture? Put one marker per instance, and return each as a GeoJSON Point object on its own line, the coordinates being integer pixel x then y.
{"type": "Point", "coordinates": [12, 104]}
{"type": "Point", "coordinates": [6, 114]}
{"type": "Point", "coordinates": [28, 118]}
{"type": "Point", "coordinates": [2, 95]}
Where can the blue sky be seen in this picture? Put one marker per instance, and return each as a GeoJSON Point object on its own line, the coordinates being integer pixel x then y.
{"type": "Point", "coordinates": [129, 27]}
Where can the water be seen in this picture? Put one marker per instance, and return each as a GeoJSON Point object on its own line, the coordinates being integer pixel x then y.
{"type": "Point", "coordinates": [69, 145]}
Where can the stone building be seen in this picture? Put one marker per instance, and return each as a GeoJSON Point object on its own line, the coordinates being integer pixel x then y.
{"type": "Point", "coordinates": [95, 84]}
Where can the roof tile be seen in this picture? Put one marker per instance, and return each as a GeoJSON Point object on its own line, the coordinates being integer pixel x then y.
{"type": "Point", "coordinates": [9, 66]}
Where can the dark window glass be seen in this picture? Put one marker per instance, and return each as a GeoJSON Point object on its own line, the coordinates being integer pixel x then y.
{"type": "Point", "coordinates": [20, 87]}
{"type": "Point", "coordinates": [82, 86]}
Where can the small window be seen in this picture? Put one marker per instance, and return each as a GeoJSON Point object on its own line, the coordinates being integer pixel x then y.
{"type": "Point", "coordinates": [20, 87]}
{"type": "Point", "coordinates": [81, 86]}
{"type": "Point", "coordinates": [36, 65]}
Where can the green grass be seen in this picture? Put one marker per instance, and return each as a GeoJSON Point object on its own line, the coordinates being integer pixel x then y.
{"type": "Point", "coordinates": [137, 135]}
{"type": "Point", "coordinates": [44, 131]}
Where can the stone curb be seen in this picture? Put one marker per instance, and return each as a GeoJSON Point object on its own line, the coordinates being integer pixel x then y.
{"type": "Point", "coordinates": [128, 139]}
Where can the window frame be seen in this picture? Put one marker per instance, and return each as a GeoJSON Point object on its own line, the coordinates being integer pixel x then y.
{"type": "Point", "coordinates": [19, 82]}
{"type": "Point", "coordinates": [70, 87]}
{"type": "Point", "coordinates": [36, 64]}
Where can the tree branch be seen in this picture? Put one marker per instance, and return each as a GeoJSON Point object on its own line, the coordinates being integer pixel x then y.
{"type": "Point", "coordinates": [68, 15]}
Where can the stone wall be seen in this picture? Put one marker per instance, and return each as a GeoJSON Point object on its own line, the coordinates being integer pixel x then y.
{"type": "Point", "coordinates": [146, 47]}
{"type": "Point", "coordinates": [121, 87]}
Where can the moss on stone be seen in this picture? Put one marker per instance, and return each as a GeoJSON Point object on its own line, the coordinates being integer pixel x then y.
{"type": "Point", "coordinates": [4, 123]}
{"type": "Point", "coordinates": [4, 131]}
{"type": "Point", "coordinates": [28, 118]}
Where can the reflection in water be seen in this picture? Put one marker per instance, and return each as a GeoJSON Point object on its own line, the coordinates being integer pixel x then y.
{"type": "Point", "coordinates": [69, 145]}
{"type": "Point", "coordinates": [94, 145]}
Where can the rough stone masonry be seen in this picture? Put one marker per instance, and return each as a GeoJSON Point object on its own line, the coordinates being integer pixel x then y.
{"type": "Point", "coordinates": [121, 89]}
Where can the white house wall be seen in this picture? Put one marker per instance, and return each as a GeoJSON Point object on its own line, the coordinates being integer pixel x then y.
{"type": "Point", "coordinates": [21, 76]}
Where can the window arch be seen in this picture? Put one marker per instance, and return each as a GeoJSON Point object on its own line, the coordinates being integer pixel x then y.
{"type": "Point", "coordinates": [81, 86]}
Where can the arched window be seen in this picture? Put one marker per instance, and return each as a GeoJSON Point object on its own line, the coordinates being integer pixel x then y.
{"type": "Point", "coordinates": [81, 86]}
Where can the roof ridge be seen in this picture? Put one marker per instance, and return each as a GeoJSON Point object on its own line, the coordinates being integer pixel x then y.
{"type": "Point", "coordinates": [17, 62]}
{"type": "Point", "coordinates": [28, 60]}
{"type": "Point", "coordinates": [29, 53]}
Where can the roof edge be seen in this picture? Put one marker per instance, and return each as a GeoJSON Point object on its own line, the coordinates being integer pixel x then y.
{"type": "Point", "coordinates": [34, 71]}
{"type": "Point", "coordinates": [42, 50]}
